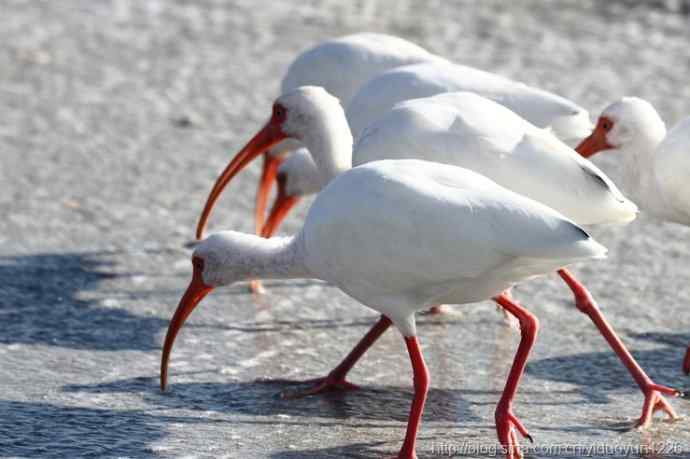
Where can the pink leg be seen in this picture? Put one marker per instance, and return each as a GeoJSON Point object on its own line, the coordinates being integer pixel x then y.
{"type": "Point", "coordinates": [421, 388]}
{"type": "Point", "coordinates": [336, 378]}
{"type": "Point", "coordinates": [654, 399]}
{"type": "Point", "coordinates": [505, 419]}
{"type": "Point", "coordinates": [686, 362]}
{"type": "Point", "coordinates": [509, 319]}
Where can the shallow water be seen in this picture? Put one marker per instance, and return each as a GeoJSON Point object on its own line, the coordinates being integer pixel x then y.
{"type": "Point", "coordinates": [116, 118]}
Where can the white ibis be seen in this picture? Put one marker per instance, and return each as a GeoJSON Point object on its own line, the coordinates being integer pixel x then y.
{"type": "Point", "coordinates": [464, 130]}
{"type": "Point", "coordinates": [656, 163]}
{"type": "Point", "coordinates": [397, 236]}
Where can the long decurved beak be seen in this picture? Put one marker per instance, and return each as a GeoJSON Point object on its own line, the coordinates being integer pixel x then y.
{"type": "Point", "coordinates": [268, 176]}
{"type": "Point", "coordinates": [595, 143]}
{"type": "Point", "coordinates": [196, 292]}
{"type": "Point", "coordinates": [268, 136]}
{"type": "Point", "coordinates": [281, 208]}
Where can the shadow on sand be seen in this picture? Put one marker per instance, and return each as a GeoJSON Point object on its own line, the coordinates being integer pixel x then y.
{"type": "Point", "coordinates": [263, 398]}
{"type": "Point", "coordinates": [43, 430]}
{"type": "Point", "coordinates": [42, 304]}
{"type": "Point", "coordinates": [597, 373]}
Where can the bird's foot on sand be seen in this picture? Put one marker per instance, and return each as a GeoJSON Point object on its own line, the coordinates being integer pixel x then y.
{"type": "Point", "coordinates": [506, 425]}
{"type": "Point", "coordinates": [654, 401]}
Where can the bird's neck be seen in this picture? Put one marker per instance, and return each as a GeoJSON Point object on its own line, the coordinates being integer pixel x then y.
{"type": "Point", "coordinates": [638, 165]}
{"type": "Point", "coordinates": [275, 258]}
{"type": "Point", "coordinates": [330, 145]}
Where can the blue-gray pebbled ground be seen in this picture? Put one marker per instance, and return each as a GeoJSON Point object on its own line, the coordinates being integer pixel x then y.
{"type": "Point", "coordinates": [116, 116]}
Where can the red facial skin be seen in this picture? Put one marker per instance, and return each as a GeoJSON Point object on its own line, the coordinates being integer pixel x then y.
{"type": "Point", "coordinates": [597, 140]}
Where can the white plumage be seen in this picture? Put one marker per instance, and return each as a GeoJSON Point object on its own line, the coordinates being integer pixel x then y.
{"type": "Point", "coordinates": [402, 235]}
{"type": "Point", "coordinates": [671, 171]}
{"type": "Point", "coordinates": [544, 109]}
{"type": "Point", "coordinates": [342, 65]}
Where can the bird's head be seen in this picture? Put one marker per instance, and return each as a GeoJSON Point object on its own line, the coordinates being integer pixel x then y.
{"type": "Point", "coordinates": [629, 121]}
{"type": "Point", "coordinates": [295, 115]}
{"type": "Point", "coordinates": [296, 176]}
{"type": "Point", "coordinates": [221, 259]}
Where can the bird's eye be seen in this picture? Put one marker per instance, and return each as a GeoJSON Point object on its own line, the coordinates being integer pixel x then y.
{"type": "Point", "coordinates": [279, 112]}
{"type": "Point", "coordinates": [198, 263]}
{"type": "Point", "coordinates": [606, 125]}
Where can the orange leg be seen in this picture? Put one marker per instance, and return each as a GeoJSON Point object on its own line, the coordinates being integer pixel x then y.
{"type": "Point", "coordinates": [505, 419]}
{"type": "Point", "coordinates": [654, 399]}
{"type": "Point", "coordinates": [421, 388]}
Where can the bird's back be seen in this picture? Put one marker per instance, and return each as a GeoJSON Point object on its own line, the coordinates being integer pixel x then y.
{"type": "Point", "coordinates": [470, 131]}
{"type": "Point", "coordinates": [672, 169]}
{"type": "Point", "coordinates": [415, 230]}
{"type": "Point", "coordinates": [342, 65]}
{"type": "Point", "coordinates": [426, 79]}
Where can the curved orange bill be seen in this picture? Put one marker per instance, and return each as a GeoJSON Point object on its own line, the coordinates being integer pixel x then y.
{"type": "Point", "coordinates": [595, 143]}
{"type": "Point", "coordinates": [268, 176]}
{"type": "Point", "coordinates": [196, 292]}
{"type": "Point", "coordinates": [281, 208]}
{"type": "Point", "coordinates": [268, 136]}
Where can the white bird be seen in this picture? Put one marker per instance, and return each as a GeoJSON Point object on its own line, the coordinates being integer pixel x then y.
{"type": "Point", "coordinates": [460, 129]}
{"type": "Point", "coordinates": [341, 66]}
{"type": "Point", "coordinates": [544, 109]}
{"type": "Point", "coordinates": [656, 163]}
{"type": "Point", "coordinates": [398, 236]}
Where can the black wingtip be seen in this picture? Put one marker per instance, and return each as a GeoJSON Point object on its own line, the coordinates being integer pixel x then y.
{"type": "Point", "coordinates": [595, 176]}
{"type": "Point", "coordinates": [578, 229]}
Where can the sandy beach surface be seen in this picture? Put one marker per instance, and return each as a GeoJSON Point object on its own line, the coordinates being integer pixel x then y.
{"type": "Point", "coordinates": [116, 117]}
